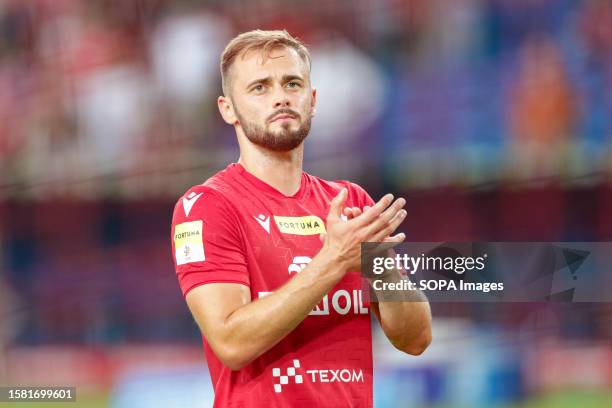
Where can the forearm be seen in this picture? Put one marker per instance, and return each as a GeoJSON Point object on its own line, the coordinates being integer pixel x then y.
{"type": "Point", "coordinates": [257, 326]}
{"type": "Point", "coordinates": [240, 329]}
{"type": "Point", "coordinates": [406, 321]}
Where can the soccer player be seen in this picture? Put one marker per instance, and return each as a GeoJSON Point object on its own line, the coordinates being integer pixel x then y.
{"type": "Point", "coordinates": [268, 256]}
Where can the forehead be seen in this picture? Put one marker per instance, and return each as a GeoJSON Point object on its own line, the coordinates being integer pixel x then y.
{"type": "Point", "coordinates": [255, 64]}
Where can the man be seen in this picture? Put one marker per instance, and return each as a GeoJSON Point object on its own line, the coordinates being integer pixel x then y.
{"type": "Point", "coordinates": [275, 290]}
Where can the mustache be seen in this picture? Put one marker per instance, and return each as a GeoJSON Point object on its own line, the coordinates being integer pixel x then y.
{"type": "Point", "coordinates": [284, 111]}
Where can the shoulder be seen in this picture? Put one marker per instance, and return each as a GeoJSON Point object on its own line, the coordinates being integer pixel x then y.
{"type": "Point", "coordinates": [356, 194]}
{"type": "Point", "coordinates": [203, 199]}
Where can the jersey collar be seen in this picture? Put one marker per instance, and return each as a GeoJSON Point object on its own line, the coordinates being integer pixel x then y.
{"type": "Point", "coordinates": [262, 185]}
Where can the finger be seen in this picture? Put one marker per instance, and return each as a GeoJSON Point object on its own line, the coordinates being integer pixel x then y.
{"type": "Point", "coordinates": [397, 238]}
{"type": "Point", "coordinates": [391, 226]}
{"type": "Point", "coordinates": [384, 219]}
{"type": "Point", "coordinates": [352, 212]}
{"type": "Point", "coordinates": [335, 209]}
{"type": "Point", "coordinates": [372, 213]}
{"type": "Point", "coordinates": [388, 244]}
{"type": "Point", "coordinates": [355, 212]}
{"type": "Point", "coordinates": [322, 236]}
{"type": "Point", "coordinates": [381, 248]}
{"type": "Point", "coordinates": [366, 208]}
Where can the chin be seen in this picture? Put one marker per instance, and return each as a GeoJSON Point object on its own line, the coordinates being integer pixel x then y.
{"type": "Point", "coordinates": [284, 131]}
{"type": "Point", "coordinates": [285, 125]}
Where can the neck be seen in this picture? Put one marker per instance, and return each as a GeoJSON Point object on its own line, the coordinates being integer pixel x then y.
{"type": "Point", "coordinates": [281, 170]}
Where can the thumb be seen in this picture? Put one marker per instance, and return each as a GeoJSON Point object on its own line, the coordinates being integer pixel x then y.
{"type": "Point", "coordinates": [322, 237]}
{"type": "Point", "coordinates": [335, 210]}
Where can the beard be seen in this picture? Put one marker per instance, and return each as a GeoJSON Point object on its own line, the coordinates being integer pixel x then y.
{"type": "Point", "coordinates": [282, 140]}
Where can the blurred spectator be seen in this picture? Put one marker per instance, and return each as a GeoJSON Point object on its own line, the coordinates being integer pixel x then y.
{"type": "Point", "coordinates": [596, 27]}
{"type": "Point", "coordinates": [349, 92]}
{"type": "Point", "coordinates": [106, 88]}
{"type": "Point", "coordinates": [185, 54]}
{"type": "Point", "coordinates": [542, 110]}
{"type": "Point", "coordinates": [111, 90]}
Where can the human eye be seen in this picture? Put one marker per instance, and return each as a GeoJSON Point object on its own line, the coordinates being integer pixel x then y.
{"type": "Point", "coordinates": [294, 84]}
{"type": "Point", "coordinates": [259, 88]}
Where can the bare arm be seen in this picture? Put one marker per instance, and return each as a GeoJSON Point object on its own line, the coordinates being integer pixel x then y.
{"type": "Point", "coordinates": [407, 324]}
{"type": "Point", "coordinates": [239, 330]}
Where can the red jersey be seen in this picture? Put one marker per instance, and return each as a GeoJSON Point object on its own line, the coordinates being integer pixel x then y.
{"type": "Point", "coordinates": [236, 228]}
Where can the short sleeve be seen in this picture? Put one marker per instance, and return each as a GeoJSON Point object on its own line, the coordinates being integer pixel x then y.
{"type": "Point", "coordinates": [357, 195]}
{"type": "Point", "coordinates": [207, 245]}
{"type": "Point", "coordinates": [363, 196]}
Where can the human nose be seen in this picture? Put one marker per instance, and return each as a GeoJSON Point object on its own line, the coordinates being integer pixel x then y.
{"type": "Point", "coordinates": [280, 98]}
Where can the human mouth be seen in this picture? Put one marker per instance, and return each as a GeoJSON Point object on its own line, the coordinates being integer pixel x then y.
{"type": "Point", "coordinates": [282, 117]}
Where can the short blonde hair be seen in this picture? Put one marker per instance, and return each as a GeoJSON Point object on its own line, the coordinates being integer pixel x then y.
{"type": "Point", "coordinates": [258, 40]}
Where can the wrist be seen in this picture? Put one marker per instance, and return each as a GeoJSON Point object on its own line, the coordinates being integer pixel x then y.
{"type": "Point", "coordinates": [333, 261]}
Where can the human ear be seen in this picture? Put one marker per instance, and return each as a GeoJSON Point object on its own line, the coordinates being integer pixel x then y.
{"type": "Point", "coordinates": [313, 101]}
{"type": "Point", "coordinates": [226, 109]}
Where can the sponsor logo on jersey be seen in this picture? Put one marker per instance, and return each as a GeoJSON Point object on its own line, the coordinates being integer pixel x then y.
{"type": "Point", "coordinates": [263, 221]}
{"type": "Point", "coordinates": [342, 302]}
{"type": "Point", "coordinates": [283, 379]}
{"type": "Point", "coordinates": [299, 263]}
{"type": "Point", "coordinates": [189, 201]}
{"type": "Point", "coordinates": [307, 225]}
{"type": "Point", "coordinates": [188, 244]}
{"type": "Point", "coordinates": [297, 375]}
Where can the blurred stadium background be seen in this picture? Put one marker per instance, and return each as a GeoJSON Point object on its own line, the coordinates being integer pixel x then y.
{"type": "Point", "coordinates": [493, 118]}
